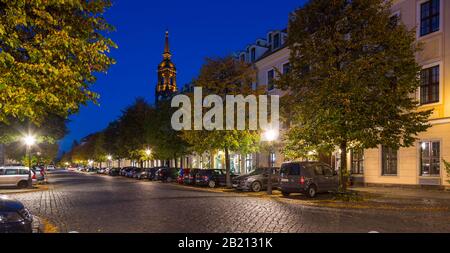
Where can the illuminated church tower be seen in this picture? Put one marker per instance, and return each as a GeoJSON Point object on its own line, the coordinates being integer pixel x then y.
{"type": "Point", "coordinates": [167, 76]}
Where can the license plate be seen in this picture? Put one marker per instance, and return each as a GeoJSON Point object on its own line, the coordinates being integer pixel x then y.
{"type": "Point", "coordinates": [285, 180]}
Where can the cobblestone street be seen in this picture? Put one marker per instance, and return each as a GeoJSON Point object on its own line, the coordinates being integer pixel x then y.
{"type": "Point", "coordinates": [92, 203]}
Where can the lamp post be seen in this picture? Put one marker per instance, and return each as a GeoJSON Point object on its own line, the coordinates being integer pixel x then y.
{"type": "Point", "coordinates": [270, 135]}
{"type": "Point", "coordinates": [29, 141]}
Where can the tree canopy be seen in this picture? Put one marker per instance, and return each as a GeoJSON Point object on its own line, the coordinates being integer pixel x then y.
{"type": "Point", "coordinates": [49, 53]}
{"type": "Point", "coordinates": [353, 78]}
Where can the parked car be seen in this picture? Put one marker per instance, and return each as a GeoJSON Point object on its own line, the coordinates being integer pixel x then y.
{"type": "Point", "coordinates": [257, 180]}
{"type": "Point", "coordinates": [152, 173]}
{"type": "Point", "coordinates": [51, 167]}
{"type": "Point", "coordinates": [137, 173]}
{"type": "Point", "coordinates": [181, 175]}
{"type": "Point", "coordinates": [130, 173]}
{"type": "Point", "coordinates": [309, 178]}
{"type": "Point", "coordinates": [100, 171]}
{"type": "Point", "coordinates": [114, 172]}
{"type": "Point", "coordinates": [38, 174]}
{"type": "Point", "coordinates": [14, 217]}
{"type": "Point", "coordinates": [15, 176]}
{"type": "Point", "coordinates": [167, 174]}
{"type": "Point", "coordinates": [211, 178]}
{"type": "Point", "coordinates": [189, 178]}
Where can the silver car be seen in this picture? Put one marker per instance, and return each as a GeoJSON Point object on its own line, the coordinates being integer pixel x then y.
{"type": "Point", "coordinates": [257, 180]}
{"type": "Point", "coordinates": [14, 176]}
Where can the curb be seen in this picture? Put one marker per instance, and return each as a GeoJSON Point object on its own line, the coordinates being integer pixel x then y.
{"type": "Point", "coordinates": [19, 191]}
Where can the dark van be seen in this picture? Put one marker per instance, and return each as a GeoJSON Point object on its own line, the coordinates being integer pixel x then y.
{"type": "Point", "coordinates": [308, 178]}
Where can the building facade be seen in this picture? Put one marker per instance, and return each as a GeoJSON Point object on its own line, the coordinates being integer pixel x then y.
{"type": "Point", "coordinates": [421, 164]}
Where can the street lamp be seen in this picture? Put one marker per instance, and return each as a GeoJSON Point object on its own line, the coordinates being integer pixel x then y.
{"type": "Point", "coordinates": [109, 157]}
{"type": "Point", "coordinates": [270, 135]}
{"type": "Point", "coordinates": [29, 141]}
{"type": "Point", "coordinates": [148, 153]}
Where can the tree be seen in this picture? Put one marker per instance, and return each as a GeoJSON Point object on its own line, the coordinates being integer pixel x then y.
{"type": "Point", "coordinates": [225, 76]}
{"type": "Point", "coordinates": [47, 136]}
{"type": "Point", "coordinates": [353, 73]}
{"type": "Point", "coordinates": [49, 53]}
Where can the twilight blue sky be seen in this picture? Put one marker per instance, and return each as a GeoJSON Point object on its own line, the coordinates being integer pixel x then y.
{"type": "Point", "coordinates": [198, 29]}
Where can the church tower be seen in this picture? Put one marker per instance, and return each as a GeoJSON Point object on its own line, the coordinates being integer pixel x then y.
{"type": "Point", "coordinates": [167, 75]}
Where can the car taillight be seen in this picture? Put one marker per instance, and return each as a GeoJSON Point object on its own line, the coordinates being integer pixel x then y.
{"type": "Point", "coordinates": [205, 177]}
{"type": "Point", "coordinates": [302, 180]}
{"type": "Point", "coordinates": [34, 176]}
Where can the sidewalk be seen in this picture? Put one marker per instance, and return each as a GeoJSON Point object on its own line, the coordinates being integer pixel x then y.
{"type": "Point", "coordinates": [405, 193]}
{"type": "Point", "coordinates": [14, 190]}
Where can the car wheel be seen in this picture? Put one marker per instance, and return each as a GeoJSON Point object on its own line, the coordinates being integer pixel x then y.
{"type": "Point", "coordinates": [286, 194]}
{"type": "Point", "coordinates": [256, 186]}
{"type": "Point", "coordinates": [169, 180]}
{"type": "Point", "coordinates": [22, 184]}
{"type": "Point", "coordinates": [212, 184]}
{"type": "Point", "coordinates": [312, 191]}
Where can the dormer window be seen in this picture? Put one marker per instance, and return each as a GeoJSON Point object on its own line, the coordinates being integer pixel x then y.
{"type": "Point", "coordinates": [253, 54]}
{"type": "Point", "coordinates": [276, 41]}
{"type": "Point", "coordinates": [242, 57]}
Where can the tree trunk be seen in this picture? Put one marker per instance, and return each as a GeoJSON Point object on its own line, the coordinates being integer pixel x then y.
{"type": "Point", "coordinates": [227, 167]}
{"type": "Point", "coordinates": [343, 168]}
{"type": "Point", "coordinates": [118, 163]}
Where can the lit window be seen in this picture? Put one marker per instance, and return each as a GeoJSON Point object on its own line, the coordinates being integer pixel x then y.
{"type": "Point", "coordinates": [430, 157]}
{"type": "Point", "coordinates": [357, 158]}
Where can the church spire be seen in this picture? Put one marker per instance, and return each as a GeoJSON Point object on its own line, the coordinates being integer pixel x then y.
{"type": "Point", "coordinates": [167, 53]}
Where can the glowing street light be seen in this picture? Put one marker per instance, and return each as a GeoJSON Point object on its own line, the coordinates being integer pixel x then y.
{"type": "Point", "coordinates": [270, 135]}
{"type": "Point", "coordinates": [148, 152]}
{"type": "Point", "coordinates": [109, 157]}
{"type": "Point", "coordinates": [29, 141]}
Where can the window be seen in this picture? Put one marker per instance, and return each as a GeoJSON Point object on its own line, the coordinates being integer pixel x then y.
{"type": "Point", "coordinates": [357, 159]}
{"type": "Point", "coordinates": [270, 79]}
{"type": "Point", "coordinates": [430, 157]}
{"type": "Point", "coordinates": [272, 159]}
{"type": "Point", "coordinates": [249, 162]}
{"type": "Point", "coordinates": [23, 172]}
{"type": "Point", "coordinates": [429, 87]}
{"type": "Point", "coordinates": [276, 41]}
{"type": "Point", "coordinates": [327, 171]}
{"type": "Point", "coordinates": [318, 170]}
{"type": "Point", "coordinates": [292, 169]}
{"type": "Point", "coordinates": [2, 172]}
{"type": "Point", "coordinates": [286, 68]}
{"type": "Point", "coordinates": [243, 57]}
{"type": "Point", "coordinates": [11, 172]}
{"type": "Point", "coordinates": [253, 54]}
{"type": "Point", "coordinates": [394, 20]}
{"type": "Point", "coordinates": [429, 17]}
{"type": "Point", "coordinates": [389, 161]}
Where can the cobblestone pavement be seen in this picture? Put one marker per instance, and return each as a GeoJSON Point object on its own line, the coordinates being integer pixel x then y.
{"type": "Point", "coordinates": [92, 203]}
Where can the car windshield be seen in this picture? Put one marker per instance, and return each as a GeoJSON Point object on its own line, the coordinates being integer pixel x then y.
{"type": "Point", "coordinates": [256, 172]}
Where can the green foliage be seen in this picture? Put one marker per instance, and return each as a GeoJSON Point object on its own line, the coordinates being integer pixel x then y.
{"type": "Point", "coordinates": [352, 75]}
{"type": "Point", "coordinates": [447, 170]}
{"type": "Point", "coordinates": [224, 76]}
{"type": "Point", "coordinates": [49, 53]}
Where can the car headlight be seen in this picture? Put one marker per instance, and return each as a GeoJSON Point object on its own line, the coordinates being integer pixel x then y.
{"type": "Point", "coordinates": [6, 217]}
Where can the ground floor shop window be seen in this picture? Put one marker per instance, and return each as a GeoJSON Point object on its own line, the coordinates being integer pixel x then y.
{"type": "Point", "coordinates": [272, 159]}
{"type": "Point", "coordinates": [389, 161]}
{"type": "Point", "coordinates": [357, 159]}
{"type": "Point", "coordinates": [235, 162]}
{"type": "Point", "coordinates": [249, 165]}
{"type": "Point", "coordinates": [430, 158]}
